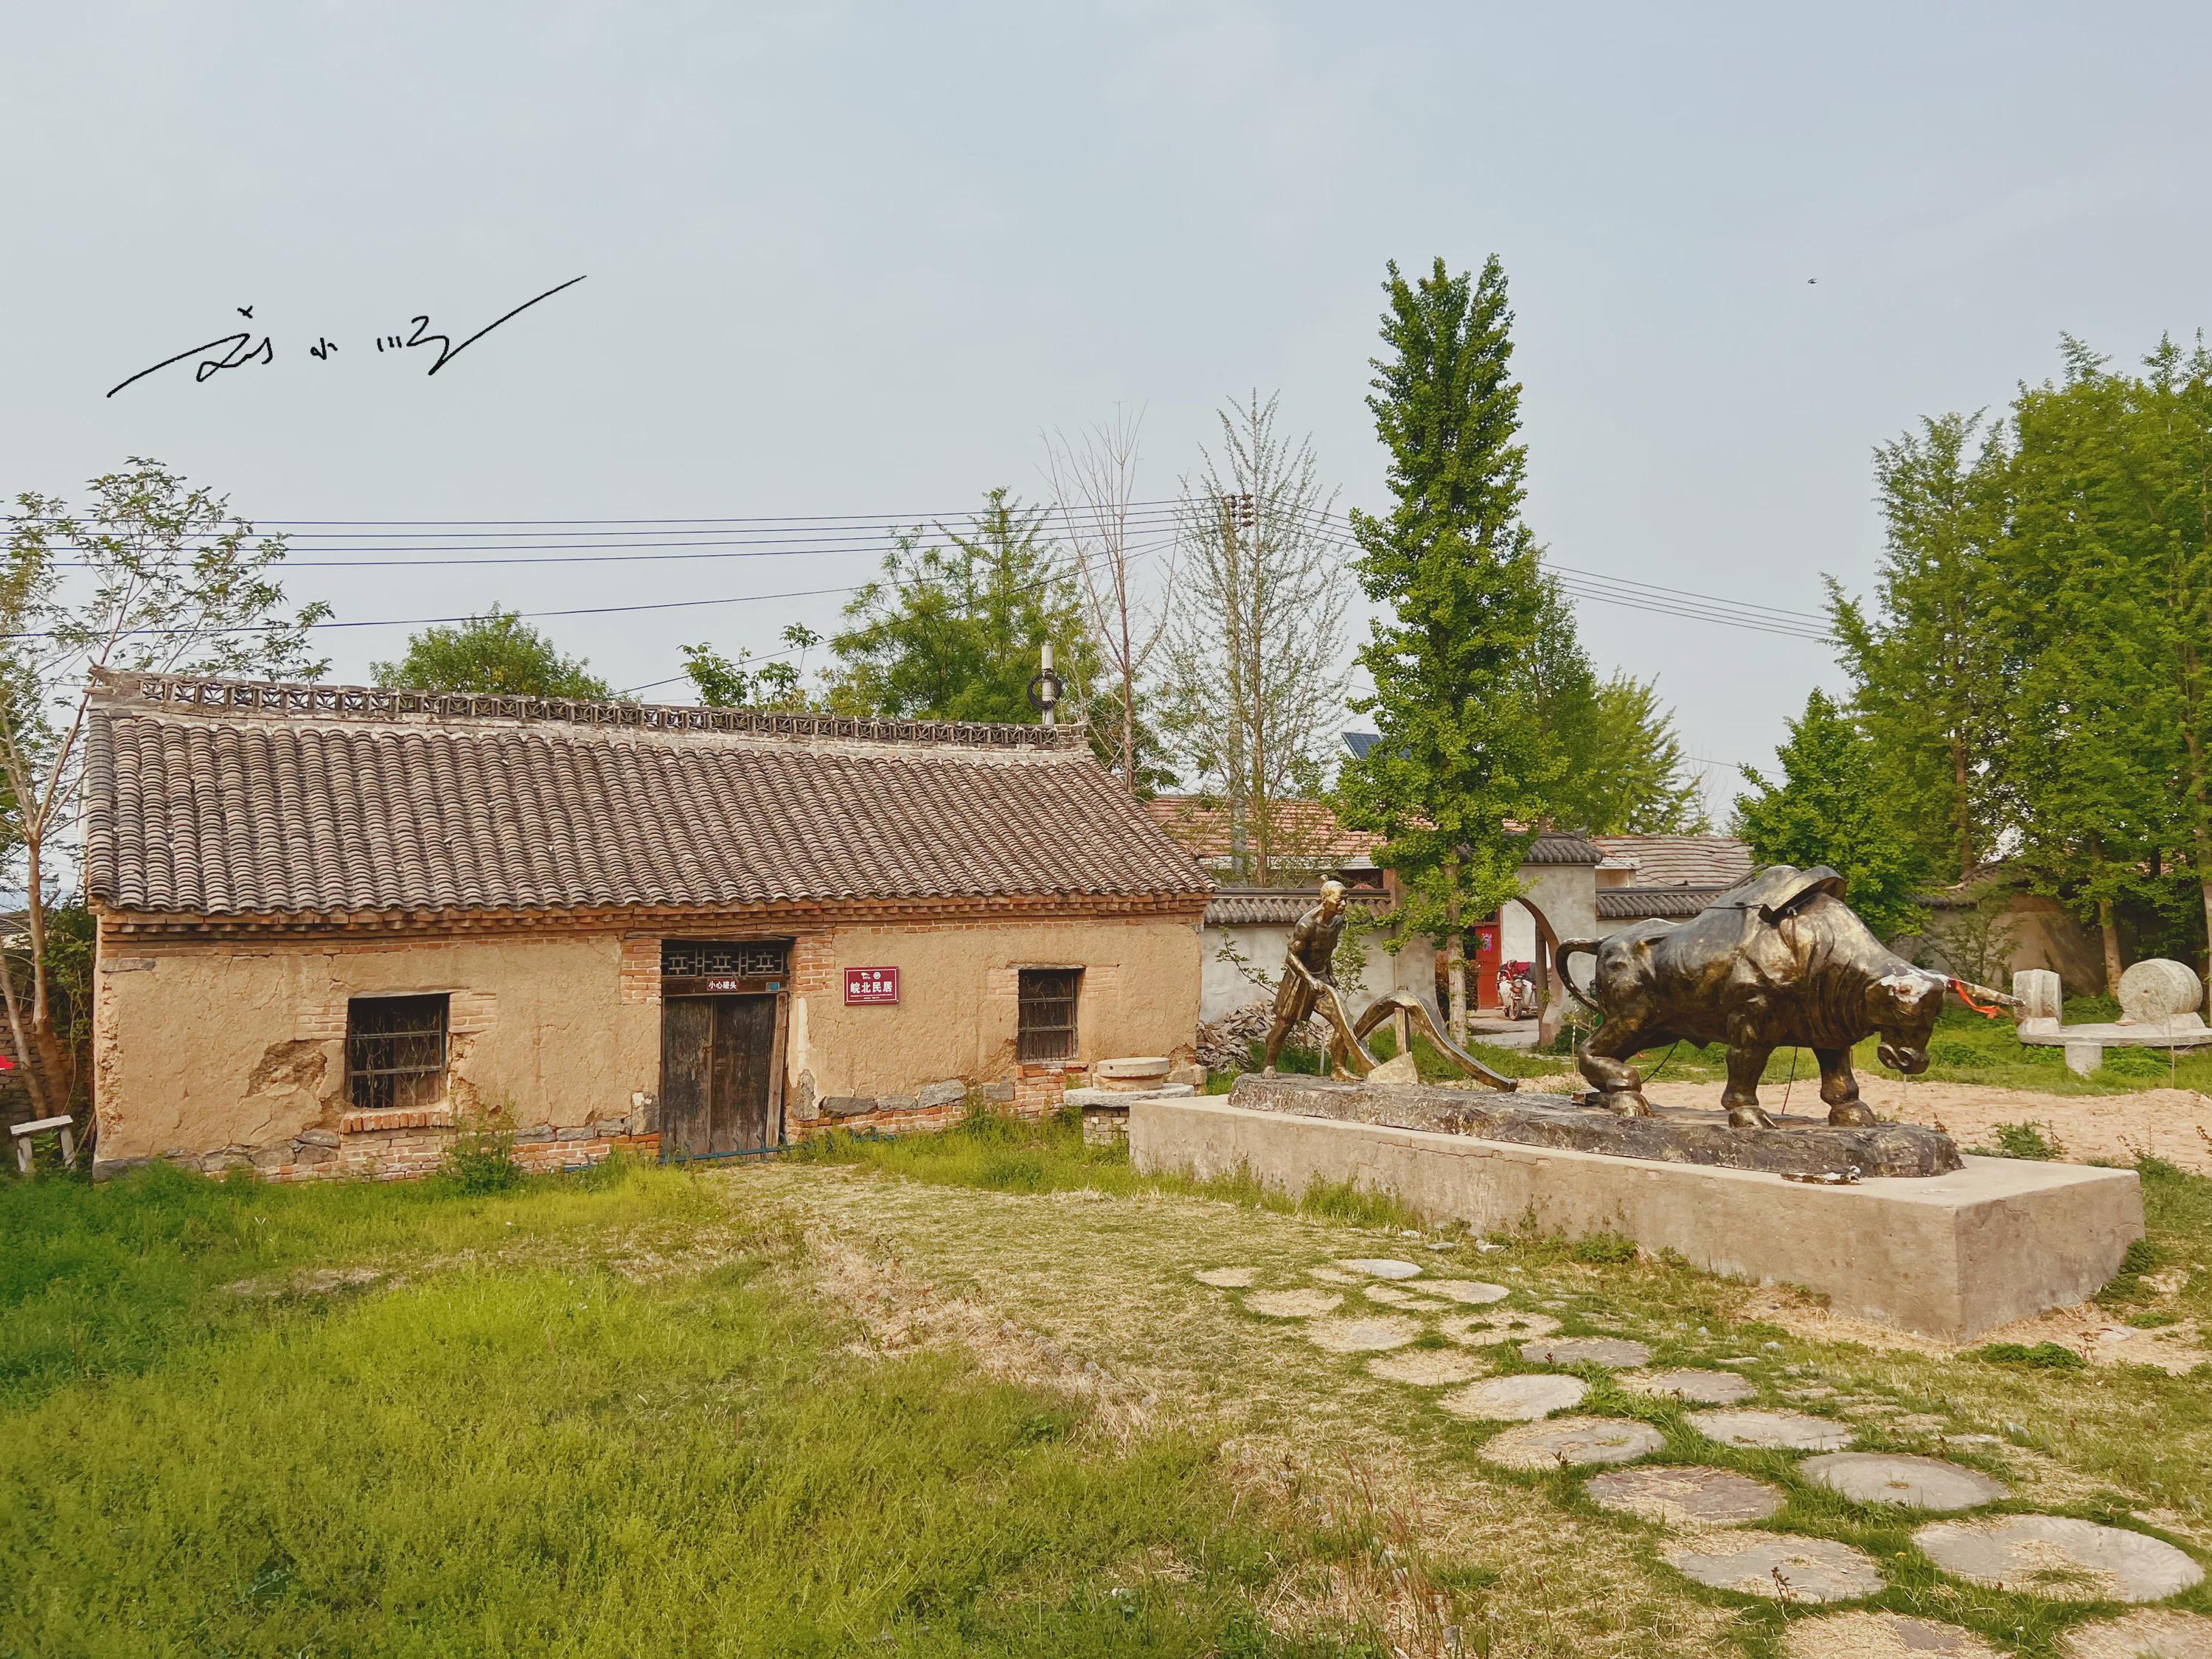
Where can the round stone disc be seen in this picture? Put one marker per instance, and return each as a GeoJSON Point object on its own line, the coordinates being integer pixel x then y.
{"type": "Point", "coordinates": [1569, 1441]}
{"type": "Point", "coordinates": [1585, 1351]}
{"type": "Point", "coordinates": [1918, 1483]}
{"type": "Point", "coordinates": [1705, 1388]}
{"type": "Point", "coordinates": [1391, 1297]}
{"type": "Point", "coordinates": [1521, 1398]}
{"type": "Point", "coordinates": [1371, 1335]}
{"type": "Point", "coordinates": [1684, 1495]}
{"type": "Point", "coordinates": [1882, 1636]}
{"type": "Point", "coordinates": [1790, 1430]}
{"type": "Point", "coordinates": [1226, 1278]}
{"type": "Point", "coordinates": [1472, 1292]}
{"type": "Point", "coordinates": [1332, 1275]}
{"type": "Point", "coordinates": [2154, 1633]}
{"type": "Point", "coordinates": [1778, 1566]}
{"type": "Point", "coordinates": [1292, 1304]}
{"type": "Point", "coordinates": [1506, 1325]}
{"type": "Point", "coordinates": [1381, 1267]}
{"type": "Point", "coordinates": [2058, 1557]}
{"type": "Point", "coordinates": [1428, 1368]}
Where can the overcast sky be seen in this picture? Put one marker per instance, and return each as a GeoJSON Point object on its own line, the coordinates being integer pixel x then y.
{"type": "Point", "coordinates": [846, 259]}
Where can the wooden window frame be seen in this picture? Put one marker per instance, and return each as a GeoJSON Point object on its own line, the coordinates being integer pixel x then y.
{"type": "Point", "coordinates": [1038, 988]}
{"type": "Point", "coordinates": [395, 1084]}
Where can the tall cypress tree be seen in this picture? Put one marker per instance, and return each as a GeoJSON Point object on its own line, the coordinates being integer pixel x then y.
{"type": "Point", "coordinates": [1454, 572]}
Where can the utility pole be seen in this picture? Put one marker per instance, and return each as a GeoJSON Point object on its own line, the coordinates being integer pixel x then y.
{"type": "Point", "coordinates": [1237, 512]}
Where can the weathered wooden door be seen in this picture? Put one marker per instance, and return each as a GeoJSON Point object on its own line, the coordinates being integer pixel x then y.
{"type": "Point", "coordinates": [717, 1064]}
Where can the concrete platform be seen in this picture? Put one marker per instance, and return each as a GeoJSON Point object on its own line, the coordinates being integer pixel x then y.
{"type": "Point", "coordinates": [1947, 1257]}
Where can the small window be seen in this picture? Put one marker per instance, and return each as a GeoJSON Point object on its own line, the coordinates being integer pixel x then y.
{"type": "Point", "coordinates": [396, 1051]}
{"type": "Point", "coordinates": [1046, 1029]}
{"type": "Point", "coordinates": [685, 958]}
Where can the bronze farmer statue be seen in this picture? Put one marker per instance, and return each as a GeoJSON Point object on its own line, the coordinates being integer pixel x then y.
{"type": "Point", "coordinates": [1779, 961]}
{"type": "Point", "coordinates": [1309, 974]}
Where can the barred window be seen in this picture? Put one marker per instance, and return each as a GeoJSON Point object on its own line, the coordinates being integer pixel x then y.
{"type": "Point", "coordinates": [1045, 1027]}
{"type": "Point", "coordinates": [692, 958]}
{"type": "Point", "coordinates": [396, 1050]}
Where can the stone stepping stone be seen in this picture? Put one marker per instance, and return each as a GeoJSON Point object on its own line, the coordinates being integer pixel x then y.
{"type": "Point", "coordinates": [1292, 1304]}
{"type": "Point", "coordinates": [1882, 1636]}
{"type": "Point", "coordinates": [1332, 1275]}
{"type": "Point", "coordinates": [1363, 1335]}
{"type": "Point", "coordinates": [1516, 1398]}
{"type": "Point", "coordinates": [1391, 1297]}
{"type": "Point", "coordinates": [2154, 1633]}
{"type": "Point", "coordinates": [1380, 1266]}
{"type": "Point", "coordinates": [1918, 1483]}
{"type": "Point", "coordinates": [1507, 1325]}
{"type": "Point", "coordinates": [1788, 1430]}
{"type": "Point", "coordinates": [1428, 1368]}
{"type": "Point", "coordinates": [1684, 1495]}
{"type": "Point", "coordinates": [1705, 1388]}
{"type": "Point", "coordinates": [1778, 1566]}
{"type": "Point", "coordinates": [1226, 1278]}
{"type": "Point", "coordinates": [2058, 1557]}
{"type": "Point", "coordinates": [1609, 1351]}
{"type": "Point", "coordinates": [1472, 1292]}
{"type": "Point", "coordinates": [1572, 1440]}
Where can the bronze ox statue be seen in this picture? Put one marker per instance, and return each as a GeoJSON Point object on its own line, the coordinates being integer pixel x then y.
{"type": "Point", "coordinates": [1779, 961]}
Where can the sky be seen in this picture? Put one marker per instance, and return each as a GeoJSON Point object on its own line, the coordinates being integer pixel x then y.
{"type": "Point", "coordinates": [856, 260]}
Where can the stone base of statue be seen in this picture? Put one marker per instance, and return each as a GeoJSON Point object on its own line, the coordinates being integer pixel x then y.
{"type": "Point", "coordinates": [1804, 1146]}
{"type": "Point", "coordinates": [1953, 1251]}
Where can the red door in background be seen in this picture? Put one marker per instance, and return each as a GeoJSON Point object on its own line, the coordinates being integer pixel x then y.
{"type": "Point", "coordinates": [1485, 942]}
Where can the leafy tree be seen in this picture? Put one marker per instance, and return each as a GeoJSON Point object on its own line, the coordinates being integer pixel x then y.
{"type": "Point", "coordinates": [1254, 689]}
{"type": "Point", "coordinates": [951, 630]}
{"type": "Point", "coordinates": [1453, 572]}
{"type": "Point", "coordinates": [496, 653]}
{"type": "Point", "coordinates": [721, 683]}
{"type": "Point", "coordinates": [1825, 808]}
{"type": "Point", "coordinates": [150, 576]}
{"type": "Point", "coordinates": [1934, 670]}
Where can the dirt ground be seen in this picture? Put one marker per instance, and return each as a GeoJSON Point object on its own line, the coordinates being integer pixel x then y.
{"type": "Point", "coordinates": [2173, 1124]}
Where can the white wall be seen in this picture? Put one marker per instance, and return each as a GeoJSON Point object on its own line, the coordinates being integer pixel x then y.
{"type": "Point", "coordinates": [1225, 987]}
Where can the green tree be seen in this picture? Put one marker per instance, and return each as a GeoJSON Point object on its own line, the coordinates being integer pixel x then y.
{"type": "Point", "coordinates": [952, 629]}
{"type": "Point", "coordinates": [1934, 670]}
{"type": "Point", "coordinates": [151, 575]}
{"type": "Point", "coordinates": [497, 652]}
{"type": "Point", "coordinates": [1825, 808]}
{"type": "Point", "coordinates": [769, 683]}
{"type": "Point", "coordinates": [1453, 572]}
{"type": "Point", "coordinates": [1633, 779]}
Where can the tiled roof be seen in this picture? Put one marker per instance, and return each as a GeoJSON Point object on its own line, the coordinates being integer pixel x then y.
{"type": "Point", "coordinates": [1305, 831]}
{"type": "Point", "coordinates": [1714, 861]}
{"type": "Point", "coordinates": [231, 798]}
{"type": "Point", "coordinates": [1261, 907]}
{"type": "Point", "coordinates": [1634, 904]}
{"type": "Point", "coordinates": [1562, 846]}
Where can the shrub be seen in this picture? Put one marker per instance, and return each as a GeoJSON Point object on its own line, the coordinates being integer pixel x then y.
{"type": "Point", "coordinates": [1959, 1055]}
{"type": "Point", "coordinates": [1605, 1249]}
{"type": "Point", "coordinates": [2044, 1355]}
{"type": "Point", "coordinates": [482, 1158]}
{"type": "Point", "coordinates": [2026, 1140]}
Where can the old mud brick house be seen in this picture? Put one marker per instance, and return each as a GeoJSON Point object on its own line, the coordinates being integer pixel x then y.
{"type": "Point", "coordinates": [331, 920]}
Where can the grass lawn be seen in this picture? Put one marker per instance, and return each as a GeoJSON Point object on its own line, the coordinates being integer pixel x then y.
{"type": "Point", "coordinates": [952, 1395]}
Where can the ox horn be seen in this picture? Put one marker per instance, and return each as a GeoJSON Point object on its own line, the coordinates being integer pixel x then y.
{"type": "Point", "coordinates": [1971, 993]}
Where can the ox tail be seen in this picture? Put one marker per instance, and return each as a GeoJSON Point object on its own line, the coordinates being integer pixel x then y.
{"type": "Point", "coordinates": [1569, 947]}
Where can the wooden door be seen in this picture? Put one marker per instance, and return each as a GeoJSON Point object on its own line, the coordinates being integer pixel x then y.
{"type": "Point", "coordinates": [717, 1073]}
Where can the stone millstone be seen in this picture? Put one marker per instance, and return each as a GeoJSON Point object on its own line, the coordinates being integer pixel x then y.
{"type": "Point", "coordinates": [1391, 1297]}
{"type": "Point", "coordinates": [1788, 1430]}
{"type": "Point", "coordinates": [1362, 1335]}
{"type": "Point", "coordinates": [1566, 1441]}
{"type": "Point", "coordinates": [2058, 1557]}
{"type": "Point", "coordinates": [1918, 1483]}
{"type": "Point", "coordinates": [1428, 1368]}
{"type": "Point", "coordinates": [2154, 1633]}
{"type": "Point", "coordinates": [1472, 1292]}
{"type": "Point", "coordinates": [1882, 1636]}
{"type": "Point", "coordinates": [1684, 1495]}
{"type": "Point", "coordinates": [1778, 1566]}
{"type": "Point", "coordinates": [1381, 1267]}
{"type": "Point", "coordinates": [1292, 1304]}
{"type": "Point", "coordinates": [1226, 1278]}
{"type": "Point", "coordinates": [1802, 1145]}
{"type": "Point", "coordinates": [1607, 1350]}
{"type": "Point", "coordinates": [1702, 1388]}
{"type": "Point", "coordinates": [1506, 1325]}
{"type": "Point", "coordinates": [1516, 1398]}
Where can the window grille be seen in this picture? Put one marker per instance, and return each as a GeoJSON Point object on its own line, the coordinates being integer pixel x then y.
{"type": "Point", "coordinates": [688, 958]}
{"type": "Point", "coordinates": [396, 1051]}
{"type": "Point", "coordinates": [1045, 1028]}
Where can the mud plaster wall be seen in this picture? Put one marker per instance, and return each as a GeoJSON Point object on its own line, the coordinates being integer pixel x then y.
{"type": "Point", "coordinates": [230, 1043]}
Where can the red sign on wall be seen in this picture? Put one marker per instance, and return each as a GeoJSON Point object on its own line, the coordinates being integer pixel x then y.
{"type": "Point", "coordinates": [872, 985]}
